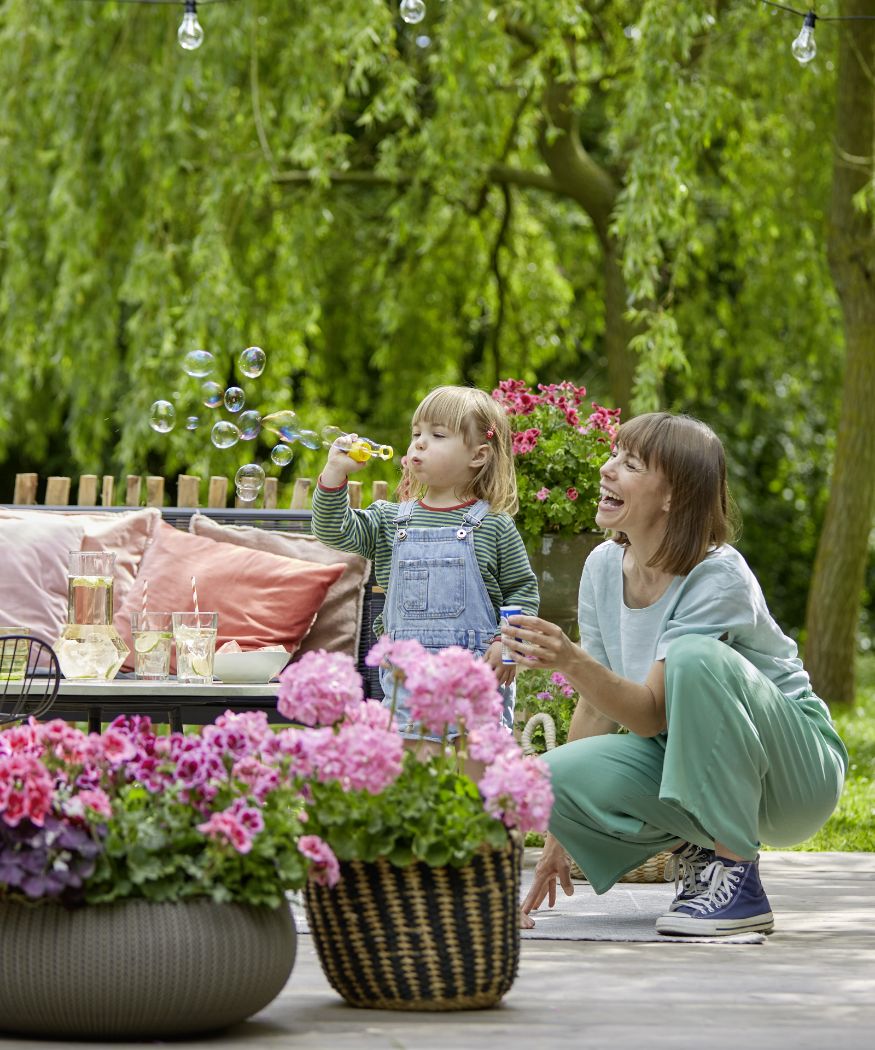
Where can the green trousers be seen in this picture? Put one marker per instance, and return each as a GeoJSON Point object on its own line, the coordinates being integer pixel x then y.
{"type": "Point", "coordinates": [739, 763]}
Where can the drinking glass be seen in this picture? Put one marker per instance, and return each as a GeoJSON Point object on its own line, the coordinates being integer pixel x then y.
{"type": "Point", "coordinates": [153, 634]}
{"type": "Point", "coordinates": [13, 655]}
{"type": "Point", "coordinates": [195, 637]}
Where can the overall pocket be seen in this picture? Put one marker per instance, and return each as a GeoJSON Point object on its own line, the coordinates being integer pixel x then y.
{"type": "Point", "coordinates": [432, 589]}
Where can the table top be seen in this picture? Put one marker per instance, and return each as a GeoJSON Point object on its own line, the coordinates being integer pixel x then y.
{"type": "Point", "coordinates": [135, 688]}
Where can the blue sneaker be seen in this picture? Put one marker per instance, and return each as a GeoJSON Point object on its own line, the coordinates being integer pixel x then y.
{"type": "Point", "coordinates": [734, 901]}
{"type": "Point", "coordinates": [686, 866]}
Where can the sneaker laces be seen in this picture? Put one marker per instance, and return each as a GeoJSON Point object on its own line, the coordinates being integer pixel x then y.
{"type": "Point", "coordinates": [722, 881]}
{"type": "Point", "coordinates": [686, 867]}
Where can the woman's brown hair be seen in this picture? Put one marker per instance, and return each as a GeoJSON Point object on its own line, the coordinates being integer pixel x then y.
{"type": "Point", "coordinates": [701, 514]}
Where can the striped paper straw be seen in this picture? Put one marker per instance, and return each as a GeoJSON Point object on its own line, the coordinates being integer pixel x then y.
{"type": "Point", "coordinates": [145, 601]}
{"type": "Point", "coordinates": [194, 595]}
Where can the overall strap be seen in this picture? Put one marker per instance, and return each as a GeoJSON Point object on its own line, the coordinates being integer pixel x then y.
{"type": "Point", "coordinates": [405, 512]}
{"type": "Point", "coordinates": [476, 513]}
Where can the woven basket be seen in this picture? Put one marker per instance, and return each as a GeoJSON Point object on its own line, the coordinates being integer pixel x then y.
{"type": "Point", "coordinates": [137, 969]}
{"type": "Point", "coordinates": [421, 938]}
{"type": "Point", "coordinates": [652, 870]}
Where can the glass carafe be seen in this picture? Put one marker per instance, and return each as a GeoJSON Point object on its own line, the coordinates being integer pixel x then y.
{"type": "Point", "coordinates": [89, 646]}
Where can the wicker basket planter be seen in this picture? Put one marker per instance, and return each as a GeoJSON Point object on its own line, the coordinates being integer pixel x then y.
{"type": "Point", "coordinates": [421, 938]}
{"type": "Point", "coordinates": [139, 970]}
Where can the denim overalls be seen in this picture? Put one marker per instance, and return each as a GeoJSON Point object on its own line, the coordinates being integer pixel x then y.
{"type": "Point", "coordinates": [437, 595]}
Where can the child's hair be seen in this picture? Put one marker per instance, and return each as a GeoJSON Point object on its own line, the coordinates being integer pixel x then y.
{"type": "Point", "coordinates": [481, 421]}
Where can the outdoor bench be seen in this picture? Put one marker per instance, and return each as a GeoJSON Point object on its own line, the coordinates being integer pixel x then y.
{"type": "Point", "coordinates": [288, 521]}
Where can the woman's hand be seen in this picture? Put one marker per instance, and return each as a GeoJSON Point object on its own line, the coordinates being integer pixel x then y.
{"type": "Point", "coordinates": [554, 864]}
{"type": "Point", "coordinates": [534, 642]}
{"type": "Point", "coordinates": [505, 673]}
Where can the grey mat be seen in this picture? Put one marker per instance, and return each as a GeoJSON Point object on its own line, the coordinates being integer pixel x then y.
{"type": "Point", "coordinates": [628, 912]}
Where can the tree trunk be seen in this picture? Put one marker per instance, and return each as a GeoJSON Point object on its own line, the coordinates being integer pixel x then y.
{"type": "Point", "coordinates": [582, 179]}
{"type": "Point", "coordinates": [840, 564]}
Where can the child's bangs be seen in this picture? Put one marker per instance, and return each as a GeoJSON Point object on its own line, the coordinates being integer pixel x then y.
{"type": "Point", "coordinates": [444, 408]}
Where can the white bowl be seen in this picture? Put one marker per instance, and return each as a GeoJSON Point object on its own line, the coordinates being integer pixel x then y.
{"type": "Point", "coordinates": [249, 668]}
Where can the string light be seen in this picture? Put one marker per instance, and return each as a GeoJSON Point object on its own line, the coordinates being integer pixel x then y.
{"type": "Point", "coordinates": [190, 33]}
{"type": "Point", "coordinates": [804, 47]}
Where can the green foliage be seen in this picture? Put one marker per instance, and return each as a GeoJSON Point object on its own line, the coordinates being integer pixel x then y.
{"type": "Point", "coordinates": [154, 850]}
{"type": "Point", "coordinates": [431, 813]}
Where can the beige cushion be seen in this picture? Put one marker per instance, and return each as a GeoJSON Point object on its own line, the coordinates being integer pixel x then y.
{"type": "Point", "coordinates": [35, 550]}
{"type": "Point", "coordinates": [339, 622]}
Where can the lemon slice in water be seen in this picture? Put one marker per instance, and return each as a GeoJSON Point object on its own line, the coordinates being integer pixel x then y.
{"type": "Point", "coordinates": [200, 666]}
{"type": "Point", "coordinates": [146, 642]}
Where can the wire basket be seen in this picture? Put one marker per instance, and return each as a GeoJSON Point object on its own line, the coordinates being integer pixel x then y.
{"type": "Point", "coordinates": [653, 869]}
{"type": "Point", "coordinates": [421, 938]}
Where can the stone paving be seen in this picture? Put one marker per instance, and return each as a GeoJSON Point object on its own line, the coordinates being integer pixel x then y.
{"type": "Point", "coordinates": [811, 985]}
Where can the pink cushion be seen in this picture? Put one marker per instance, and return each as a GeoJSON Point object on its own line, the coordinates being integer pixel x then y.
{"type": "Point", "coordinates": [35, 550]}
{"type": "Point", "coordinates": [339, 622]}
{"type": "Point", "coordinates": [33, 577]}
{"type": "Point", "coordinates": [262, 599]}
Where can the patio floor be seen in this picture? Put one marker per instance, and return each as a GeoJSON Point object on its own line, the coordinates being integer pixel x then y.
{"type": "Point", "coordinates": [812, 984]}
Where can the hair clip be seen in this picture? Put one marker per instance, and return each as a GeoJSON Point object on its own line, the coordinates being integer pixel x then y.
{"type": "Point", "coordinates": [490, 433]}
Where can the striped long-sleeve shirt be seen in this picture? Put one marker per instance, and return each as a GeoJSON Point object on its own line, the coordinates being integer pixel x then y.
{"type": "Point", "coordinates": [498, 546]}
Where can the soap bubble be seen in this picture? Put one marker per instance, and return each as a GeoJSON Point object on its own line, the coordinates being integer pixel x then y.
{"type": "Point", "coordinates": [162, 417]}
{"type": "Point", "coordinates": [251, 362]}
{"type": "Point", "coordinates": [246, 495]}
{"type": "Point", "coordinates": [412, 11]}
{"type": "Point", "coordinates": [310, 439]}
{"type": "Point", "coordinates": [281, 455]}
{"type": "Point", "coordinates": [234, 399]}
{"type": "Point", "coordinates": [198, 363]}
{"type": "Point", "coordinates": [224, 434]}
{"type": "Point", "coordinates": [250, 477]}
{"type": "Point", "coordinates": [192, 423]}
{"type": "Point", "coordinates": [284, 424]}
{"type": "Point", "coordinates": [249, 424]}
{"type": "Point", "coordinates": [212, 394]}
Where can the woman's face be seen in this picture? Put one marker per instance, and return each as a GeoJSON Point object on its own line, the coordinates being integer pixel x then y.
{"type": "Point", "coordinates": [634, 497]}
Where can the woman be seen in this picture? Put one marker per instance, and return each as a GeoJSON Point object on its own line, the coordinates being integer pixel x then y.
{"type": "Point", "coordinates": [727, 745]}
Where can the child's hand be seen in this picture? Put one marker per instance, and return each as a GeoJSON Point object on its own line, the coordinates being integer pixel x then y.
{"type": "Point", "coordinates": [505, 673]}
{"type": "Point", "coordinates": [339, 466]}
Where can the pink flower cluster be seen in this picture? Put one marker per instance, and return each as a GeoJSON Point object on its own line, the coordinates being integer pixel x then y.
{"type": "Point", "coordinates": [561, 682]}
{"type": "Point", "coordinates": [524, 441]}
{"type": "Point", "coordinates": [363, 753]}
{"type": "Point", "coordinates": [452, 687]}
{"type": "Point", "coordinates": [517, 791]}
{"type": "Point", "coordinates": [319, 689]}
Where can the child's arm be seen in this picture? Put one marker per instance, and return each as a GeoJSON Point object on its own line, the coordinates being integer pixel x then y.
{"type": "Point", "coordinates": [519, 586]}
{"type": "Point", "coordinates": [335, 523]}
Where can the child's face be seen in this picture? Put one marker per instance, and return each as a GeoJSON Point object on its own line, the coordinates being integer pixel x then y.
{"type": "Point", "coordinates": [441, 460]}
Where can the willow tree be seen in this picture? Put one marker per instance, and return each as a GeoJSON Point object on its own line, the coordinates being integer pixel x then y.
{"type": "Point", "coordinates": [602, 191]}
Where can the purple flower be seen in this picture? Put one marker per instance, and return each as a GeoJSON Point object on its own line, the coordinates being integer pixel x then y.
{"type": "Point", "coordinates": [542, 494]}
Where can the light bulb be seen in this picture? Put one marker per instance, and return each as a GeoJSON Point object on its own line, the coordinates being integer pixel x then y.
{"type": "Point", "coordinates": [190, 34]}
{"type": "Point", "coordinates": [412, 11]}
{"type": "Point", "coordinates": [803, 47]}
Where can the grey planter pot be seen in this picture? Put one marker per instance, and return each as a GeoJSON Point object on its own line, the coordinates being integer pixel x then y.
{"type": "Point", "coordinates": [558, 563]}
{"type": "Point", "coordinates": [139, 970]}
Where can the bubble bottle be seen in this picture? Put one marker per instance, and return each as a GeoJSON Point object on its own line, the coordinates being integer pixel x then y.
{"type": "Point", "coordinates": [358, 448]}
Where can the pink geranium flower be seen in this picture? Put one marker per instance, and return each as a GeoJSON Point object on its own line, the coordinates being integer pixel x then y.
{"type": "Point", "coordinates": [517, 790]}
{"type": "Point", "coordinates": [319, 688]}
{"type": "Point", "coordinates": [325, 869]}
